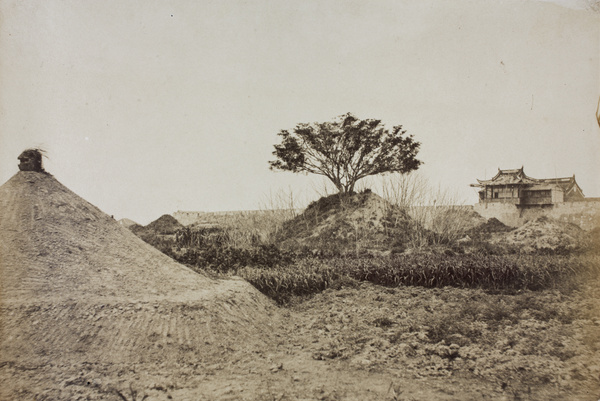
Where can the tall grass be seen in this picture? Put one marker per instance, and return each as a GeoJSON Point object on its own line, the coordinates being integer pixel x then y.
{"type": "Point", "coordinates": [244, 229]}
{"type": "Point", "coordinates": [491, 272]}
{"type": "Point", "coordinates": [533, 272]}
{"type": "Point", "coordinates": [440, 216]}
{"type": "Point", "coordinates": [304, 277]}
{"type": "Point", "coordinates": [283, 275]}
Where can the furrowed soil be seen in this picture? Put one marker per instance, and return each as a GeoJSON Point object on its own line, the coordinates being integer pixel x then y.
{"type": "Point", "coordinates": [90, 312]}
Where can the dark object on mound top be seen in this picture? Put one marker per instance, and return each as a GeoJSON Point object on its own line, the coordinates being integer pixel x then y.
{"type": "Point", "coordinates": [31, 160]}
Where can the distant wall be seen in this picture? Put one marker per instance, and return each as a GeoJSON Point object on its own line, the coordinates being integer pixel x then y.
{"type": "Point", "coordinates": [187, 218]}
{"type": "Point", "coordinates": [586, 214]}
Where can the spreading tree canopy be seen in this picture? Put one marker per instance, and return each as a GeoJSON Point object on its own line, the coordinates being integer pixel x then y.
{"type": "Point", "coordinates": [346, 150]}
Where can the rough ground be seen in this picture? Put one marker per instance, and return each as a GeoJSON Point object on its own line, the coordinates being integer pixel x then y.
{"type": "Point", "coordinates": [542, 233]}
{"type": "Point", "coordinates": [349, 344]}
{"type": "Point", "coordinates": [87, 309]}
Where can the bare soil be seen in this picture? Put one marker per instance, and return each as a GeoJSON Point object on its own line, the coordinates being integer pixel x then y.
{"type": "Point", "coordinates": [349, 344]}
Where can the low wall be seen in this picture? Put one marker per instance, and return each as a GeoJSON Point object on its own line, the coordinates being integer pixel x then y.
{"type": "Point", "coordinates": [187, 218]}
{"type": "Point", "coordinates": [585, 214]}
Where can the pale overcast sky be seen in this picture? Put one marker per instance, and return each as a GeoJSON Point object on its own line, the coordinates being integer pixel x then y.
{"type": "Point", "coordinates": [148, 107]}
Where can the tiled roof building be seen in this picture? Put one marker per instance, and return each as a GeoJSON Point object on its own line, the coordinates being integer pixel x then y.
{"type": "Point", "coordinates": [515, 187]}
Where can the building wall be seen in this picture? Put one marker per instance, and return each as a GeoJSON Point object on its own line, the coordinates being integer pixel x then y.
{"type": "Point", "coordinates": [585, 214]}
{"type": "Point", "coordinates": [557, 195]}
{"type": "Point", "coordinates": [527, 195]}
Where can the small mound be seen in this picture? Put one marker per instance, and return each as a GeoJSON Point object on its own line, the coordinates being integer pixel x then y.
{"type": "Point", "coordinates": [491, 226]}
{"type": "Point", "coordinates": [164, 225]}
{"type": "Point", "coordinates": [348, 223]}
{"type": "Point", "coordinates": [544, 233]}
{"type": "Point", "coordinates": [127, 223]}
{"type": "Point", "coordinates": [464, 216]}
{"type": "Point", "coordinates": [135, 228]}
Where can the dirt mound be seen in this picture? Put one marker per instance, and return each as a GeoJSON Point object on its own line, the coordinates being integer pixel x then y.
{"type": "Point", "coordinates": [592, 239]}
{"type": "Point", "coordinates": [80, 292]}
{"type": "Point", "coordinates": [544, 233]}
{"type": "Point", "coordinates": [491, 226]}
{"type": "Point", "coordinates": [59, 245]}
{"type": "Point", "coordinates": [463, 216]}
{"type": "Point", "coordinates": [165, 225]}
{"type": "Point", "coordinates": [340, 223]}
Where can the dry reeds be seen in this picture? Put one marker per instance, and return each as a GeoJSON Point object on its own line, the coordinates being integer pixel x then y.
{"type": "Point", "coordinates": [440, 216]}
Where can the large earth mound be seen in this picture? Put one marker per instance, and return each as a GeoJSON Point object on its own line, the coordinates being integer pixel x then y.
{"type": "Point", "coordinates": [79, 293]}
{"type": "Point", "coordinates": [349, 223]}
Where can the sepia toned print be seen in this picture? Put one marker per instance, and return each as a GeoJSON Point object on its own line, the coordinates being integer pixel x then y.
{"type": "Point", "coordinates": [320, 200]}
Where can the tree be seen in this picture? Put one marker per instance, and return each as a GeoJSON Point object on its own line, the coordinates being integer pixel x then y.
{"type": "Point", "coordinates": [346, 150]}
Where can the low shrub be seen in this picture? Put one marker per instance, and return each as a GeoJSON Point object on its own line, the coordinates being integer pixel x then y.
{"type": "Point", "coordinates": [532, 272]}
{"type": "Point", "coordinates": [224, 259]}
{"type": "Point", "coordinates": [304, 277]}
{"type": "Point", "coordinates": [494, 273]}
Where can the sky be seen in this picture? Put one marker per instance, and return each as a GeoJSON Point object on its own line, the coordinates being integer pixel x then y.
{"type": "Point", "coordinates": [149, 107]}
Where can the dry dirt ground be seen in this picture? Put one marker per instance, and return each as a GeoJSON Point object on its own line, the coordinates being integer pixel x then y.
{"type": "Point", "coordinates": [348, 344]}
{"type": "Point", "coordinates": [90, 312]}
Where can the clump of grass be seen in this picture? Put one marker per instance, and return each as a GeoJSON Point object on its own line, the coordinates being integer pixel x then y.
{"type": "Point", "coordinates": [533, 272]}
{"type": "Point", "coordinates": [304, 277]}
{"type": "Point", "coordinates": [309, 276]}
{"type": "Point", "coordinates": [383, 322]}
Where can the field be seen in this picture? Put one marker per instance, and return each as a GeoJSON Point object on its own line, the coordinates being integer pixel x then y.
{"type": "Point", "coordinates": [470, 321]}
{"type": "Point", "coordinates": [352, 299]}
{"type": "Point", "coordinates": [367, 342]}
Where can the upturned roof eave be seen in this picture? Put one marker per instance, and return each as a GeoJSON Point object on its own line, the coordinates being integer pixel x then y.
{"type": "Point", "coordinates": [493, 182]}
